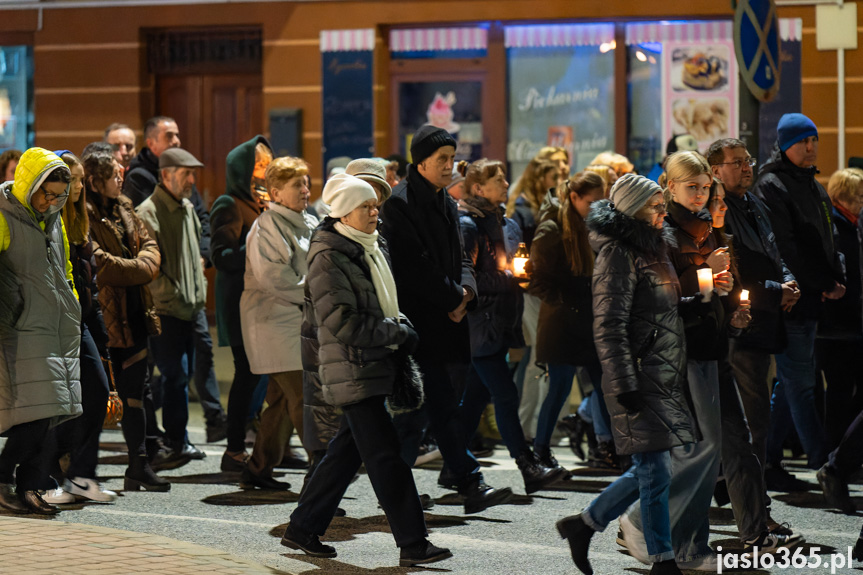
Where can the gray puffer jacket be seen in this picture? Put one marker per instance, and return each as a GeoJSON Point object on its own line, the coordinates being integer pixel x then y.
{"type": "Point", "coordinates": [638, 332]}
{"type": "Point", "coordinates": [355, 362]}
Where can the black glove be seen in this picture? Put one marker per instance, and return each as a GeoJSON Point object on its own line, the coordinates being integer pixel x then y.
{"type": "Point", "coordinates": [411, 342]}
{"type": "Point", "coordinates": [631, 401]}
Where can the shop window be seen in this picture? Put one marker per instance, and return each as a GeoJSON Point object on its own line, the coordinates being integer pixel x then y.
{"type": "Point", "coordinates": [16, 97]}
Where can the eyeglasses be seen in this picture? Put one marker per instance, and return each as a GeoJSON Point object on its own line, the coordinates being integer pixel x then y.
{"type": "Point", "coordinates": [49, 197]}
{"type": "Point", "coordinates": [657, 209]}
{"type": "Point", "coordinates": [739, 163]}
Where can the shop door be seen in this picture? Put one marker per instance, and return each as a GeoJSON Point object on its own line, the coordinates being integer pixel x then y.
{"type": "Point", "coordinates": [215, 113]}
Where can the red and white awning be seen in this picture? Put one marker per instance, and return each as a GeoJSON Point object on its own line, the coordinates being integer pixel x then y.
{"type": "Point", "coordinates": [432, 39]}
{"type": "Point", "coordinates": [706, 31]}
{"type": "Point", "coordinates": [791, 29]}
{"type": "Point", "coordinates": [347, 40]}
{"type": "Point", "coordinates": [554, 35]}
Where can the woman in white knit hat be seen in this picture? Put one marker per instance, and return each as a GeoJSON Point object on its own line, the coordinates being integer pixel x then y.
{"type": "Point", "coordinates": [359, 329]}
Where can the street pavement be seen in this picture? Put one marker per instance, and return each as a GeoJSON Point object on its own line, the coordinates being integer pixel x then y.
{"type": "Point", "coordinates": [206, 508]}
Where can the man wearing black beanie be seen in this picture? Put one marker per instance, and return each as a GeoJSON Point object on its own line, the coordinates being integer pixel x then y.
{"type": "Point", "coordinates": [435, 285]}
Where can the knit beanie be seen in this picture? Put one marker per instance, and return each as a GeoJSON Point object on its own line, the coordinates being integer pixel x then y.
{"type": "Point", "coordinates": [344, 193]}
{"type": "Point", "coordinates": [427, 140]}
{"type": "Point", "coordinates": [630, 192]}
{"type": "Point", "coordinates": [792, 128]}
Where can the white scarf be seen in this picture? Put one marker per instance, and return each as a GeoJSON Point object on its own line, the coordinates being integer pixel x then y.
{"type": "Point", "coordinates": [382, 277]}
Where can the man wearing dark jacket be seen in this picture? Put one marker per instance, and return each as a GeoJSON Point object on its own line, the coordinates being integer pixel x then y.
{"type": "Point", "coordinates": [771, 285]}
{"type": "Point", "coordinates": [435, 285]}
{"type": "Point", "coordinates": [161, 133]}
{"type": "Point", "coordinates": [800, 213]}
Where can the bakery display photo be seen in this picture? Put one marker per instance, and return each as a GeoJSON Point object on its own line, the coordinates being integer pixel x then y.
{"type": "Point", "coordinates": [702, 68]}
{"type": "Point", "coordinates": [705, 118]}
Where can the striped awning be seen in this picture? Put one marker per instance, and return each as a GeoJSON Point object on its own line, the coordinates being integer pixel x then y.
{"type": "Point", "coordinates": [554, 35]}
{"type": "Point", "coordinates": [791, 29]}
{"type": "Point", "coordinates": [347, 40]}
{"type": "Point", "coordinates": [433, 39]}
{"type": "Point", "coordinates": [700, 31]}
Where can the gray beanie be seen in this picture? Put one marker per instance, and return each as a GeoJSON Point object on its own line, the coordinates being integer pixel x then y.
{"type": "Point", "coordinates": [344, 193]}
{"type": "Point", "coordinates": [631, 192]}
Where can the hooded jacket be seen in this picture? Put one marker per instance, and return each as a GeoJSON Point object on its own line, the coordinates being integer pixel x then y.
{"type": "Point", "coordinates": [801, 215]}
{"type": "Point", "coordinates": [421, 226]}
{"type": "Point", "coordinates": [127, 259]}
{"type": "Point", "coordinates": [639, 334]}
{"type": "Point", "coordinates": [353, 334]}
{"type": "Point", "coordinates": [490, 240]}
{"type": "Point", "coordinates": [40, 318]}
{"type": "Point", "coordinates": [761, 268]}
{"type": "Point", "coordinates": [231, 218]}
{"type": "Point", "coordinates": [565, 330]}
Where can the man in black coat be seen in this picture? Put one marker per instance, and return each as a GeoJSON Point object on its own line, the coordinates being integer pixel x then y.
{"type": "Point", "coordinates": [801, 215]}
{"type": "Point", "coordinates": [160, 134]}
{"type": "Point", "coordinates": [435, 286]}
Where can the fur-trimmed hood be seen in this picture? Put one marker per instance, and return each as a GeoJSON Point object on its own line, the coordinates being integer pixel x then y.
{"type": "Point", "coordinates": [607, 225]}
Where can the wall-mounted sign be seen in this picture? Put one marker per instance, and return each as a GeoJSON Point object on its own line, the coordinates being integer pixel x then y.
{"type": "Point", "coordinates": [756, 44]}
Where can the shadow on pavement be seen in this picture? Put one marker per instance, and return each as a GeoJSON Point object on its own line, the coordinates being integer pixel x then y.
{"type": "Point", "coordinates": [456, 499]}
{"type": "Point", "coordinates": [251, 497]}
{"type": "Point", "coordinates": [594, 472]}
{"type": "Point", "coordinates": [813, 500]}
{"type": "Point", "coordinates": [585, 486]}
{"type": "Point", "coordinates": [332, 567]}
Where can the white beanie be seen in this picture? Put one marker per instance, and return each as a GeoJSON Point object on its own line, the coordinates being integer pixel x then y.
{"type": "Point", "coordinates": [630, 192]}
{"type": "Point", "coordinates": [344, 193]}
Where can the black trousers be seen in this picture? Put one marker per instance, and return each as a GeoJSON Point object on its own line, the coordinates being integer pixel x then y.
{"type": "Point", "coordinates": [24, 448]}
{"type": "Point", "coordinates": [366, 436]}
{"type": "Point", "coordinates": [239, 398]}
{"type": "Point", "coordinates": [131, 379]}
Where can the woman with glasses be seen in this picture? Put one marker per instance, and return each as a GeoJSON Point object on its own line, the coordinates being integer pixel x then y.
{"type": "Point", "coordinates": [639, 339]}
{"type": "Point", "coordinates": [39, 326]}
{"type": "Point", "coordinates": [127, 259]}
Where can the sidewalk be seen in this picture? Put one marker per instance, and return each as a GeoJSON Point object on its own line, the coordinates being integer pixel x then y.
{"type": "Point", "coordinates": [51, 547]}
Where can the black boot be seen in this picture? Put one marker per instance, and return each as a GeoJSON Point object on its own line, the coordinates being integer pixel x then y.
{"type": "Point", "coordinates": [536, 475]}
{"type": "Point", "coordinates": [546, 457]}
{"type": "Point", "coordinates": [578, 534]}
{"type": "Point", "coordinates": [604, 456]}
{"type": "Point", "coordinates": [478, 496]}
{"type": "Point", "coordinates": [140, 475]}
{"type": "Point", "coordinates": [668, 567]}
{"type": "Point", "coordinates": [576, 429]}
{"type": "Point", "coordinates": [422, 553]}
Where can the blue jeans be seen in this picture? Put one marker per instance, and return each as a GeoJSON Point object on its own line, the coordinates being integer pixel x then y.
{"type": "Point", "coordinates": [559, 385]}
{"type": "Point", "coordinates": [648, 479]}
{"type": "Point", "coordinates": [174, 354]}
{"type": "Point", "coordinates": [489, 377]}
{"type": "Point", "coordinates": [793, 401]}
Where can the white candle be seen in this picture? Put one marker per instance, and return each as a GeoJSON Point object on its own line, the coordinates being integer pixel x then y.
{"type": "Point", "coordinates": [705, 282]}
{"type": "Point", "coordinates": [744, 294]}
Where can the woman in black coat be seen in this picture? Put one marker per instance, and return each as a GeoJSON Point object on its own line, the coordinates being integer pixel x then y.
{"type": "Point", "coordinates": [562, 262]}
{"type": "Point", "coordinates": [490, 240]}
{"type": "Point", "coordinates": [358, 329]}
{"type": "Point", "coordinates": [639, 339]}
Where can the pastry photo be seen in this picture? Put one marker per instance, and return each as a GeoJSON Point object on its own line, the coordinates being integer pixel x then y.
{"type": "Point", "coordinates": [701, 68]}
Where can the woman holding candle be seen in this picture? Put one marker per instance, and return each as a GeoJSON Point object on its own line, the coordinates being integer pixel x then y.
{"type": "Point", "coordinates": [490, 240]}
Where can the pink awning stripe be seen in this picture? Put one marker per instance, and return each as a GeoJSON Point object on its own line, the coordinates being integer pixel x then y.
{"type": "Point", "coordinates": [554, 35]}
{"type": "Point", "coordinates": [347, 40]}
{"type": "Point", "coordinates": [424, 39]}
{"type": "Point", "coordinates": [696, 31]}
{"type": "Point", "coordinates": [791, 29]}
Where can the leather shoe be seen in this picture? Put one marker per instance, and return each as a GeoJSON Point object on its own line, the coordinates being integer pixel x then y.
{"type": "Point", "coordinates": [166, 458]}
{"type": "Point", "coordinates": [217, 429]}
{"type": "Point", "coordinates": [578, 534]}
{"type": "Point", "coordinates": [9, 500]}
{"type": "Point", "coordinates": [234, 461]}
{"type": "Point", "coordinates": [422, 553]}
{"type": "Point", "coordinates": [249, 480]}
{"type": "Point", "coordinates": [36, 504]}
{"type": "Point", "coordinates": [479, 496]}
{"type": "Point", "coordinates": [310, 544]}
{"type": "Point", "coordinates": [835, 490]}
{"type": "Point", "coordinates": [187, 448]}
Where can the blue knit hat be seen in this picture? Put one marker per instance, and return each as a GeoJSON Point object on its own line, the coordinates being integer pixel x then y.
{"type": "Point", "coordinates": [792, 128]}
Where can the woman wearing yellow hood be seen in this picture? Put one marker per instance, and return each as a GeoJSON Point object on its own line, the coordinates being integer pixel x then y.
{"type": "Point", "coordinates": [39, 325]}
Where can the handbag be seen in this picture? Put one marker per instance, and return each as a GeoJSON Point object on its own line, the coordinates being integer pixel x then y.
{"type": "Point", "coordinates": [407, 392]}
{"type": "Point", "coordinates": [114, 411]}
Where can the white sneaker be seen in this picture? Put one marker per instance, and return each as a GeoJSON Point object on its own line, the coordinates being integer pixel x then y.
{"type": "Point", "coordinates": [58, 496]}
{"type": "Point", "coordinates": [707, 563]}
{"type": "Point", "coordinates": [770, 542]}
{"type": "Point", "coordinates": [633, 539]}
{"type": "Point", "coordinates": [89, 489]}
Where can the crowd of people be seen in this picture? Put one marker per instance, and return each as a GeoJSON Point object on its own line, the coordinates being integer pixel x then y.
{"type": "Point", "coordinates": [388, 323]}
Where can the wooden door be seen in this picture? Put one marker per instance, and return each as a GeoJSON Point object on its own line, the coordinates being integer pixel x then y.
{"type": "Point", "coordinates": [215, 113]}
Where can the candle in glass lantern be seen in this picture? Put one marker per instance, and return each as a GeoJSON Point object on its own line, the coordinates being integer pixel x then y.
{"type": "Point", "coordinates": [705, 282]}
{"type": "Point", "coordinates": [519, 261]}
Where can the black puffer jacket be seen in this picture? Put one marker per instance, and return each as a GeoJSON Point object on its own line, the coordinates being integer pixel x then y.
{"type": "Point", "coordinates": [490, 240]}
{"type": "Point", "coordinates": [565, 331]}
{"type": "Point", "coordinates": [802, 218]}
{"type": "Point", "coordinates": [842, 317]}
{"type": "Point", "coordinates": [639, 335]}
{"type": "Point", "coordinates": [355, 362]}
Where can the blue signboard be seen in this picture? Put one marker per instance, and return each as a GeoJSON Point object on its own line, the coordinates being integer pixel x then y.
{"type": "Point", "coordinates": [756, 43]}
{"type": "Point", "coordinates": [348, 102]}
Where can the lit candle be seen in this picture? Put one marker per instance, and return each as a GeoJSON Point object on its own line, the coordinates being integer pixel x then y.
{"type": "Point", "coordinates": [705, 282]}
{"type": "Point", "coordinates": [744, 294]}
{"type": "Point", "coordinates": [519, 261]}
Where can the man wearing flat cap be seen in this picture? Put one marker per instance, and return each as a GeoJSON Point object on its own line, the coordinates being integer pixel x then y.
{"type": "Point", "coordinates": [435, 285]}
{"type": "Point", "coordinates": [800, 212]}
{"type": "Point", "coordinates": [180, 290]}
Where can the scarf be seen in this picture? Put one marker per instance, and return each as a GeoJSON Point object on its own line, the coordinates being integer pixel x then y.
{"type": "Point", "coordinates": [382, 277]}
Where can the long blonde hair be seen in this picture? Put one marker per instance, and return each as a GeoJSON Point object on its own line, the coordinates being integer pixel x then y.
{"type": "Point", "coordinates": [530, 185]}
{"type": "Point", "coordinates": [75, 218]}
{"type": "Point", "coordinates": [576, 244]}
